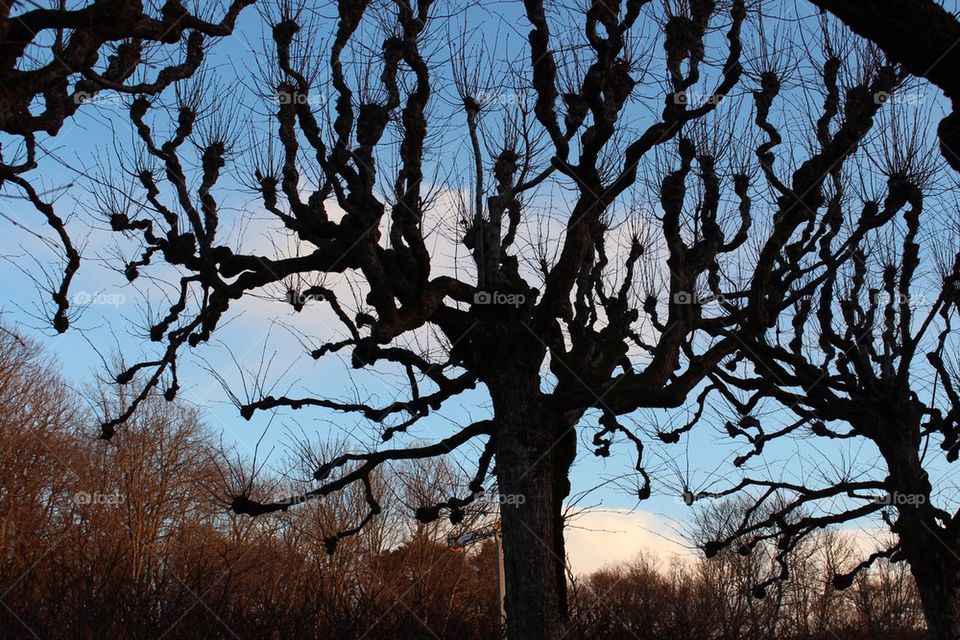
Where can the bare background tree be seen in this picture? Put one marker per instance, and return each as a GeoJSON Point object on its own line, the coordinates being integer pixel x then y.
{"type": "Point", "coordinates": [131, 538]}
{"type": "Point", "coordinates": [870, 359]}
{"type": "Point", "coordinates": [712, 598]}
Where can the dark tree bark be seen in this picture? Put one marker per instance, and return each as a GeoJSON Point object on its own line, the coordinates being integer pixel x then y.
{"type": "Point", "coordinates": [535, 449]}
{"type": "Point", "coordinates": [931, 549]}
{"type": "Point", "coordinates": [932, 555]}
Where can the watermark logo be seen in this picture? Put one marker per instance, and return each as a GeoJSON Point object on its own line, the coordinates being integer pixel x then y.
{"type": "Point", "coordinates": [498, 298]}
{"type": "Point", "coordinates": [900, 98]}
{"type": "Point", "coordinates": [300, 298]}
{"type": "Point", "coordinates": [84, 298]}
{"type": "Point", "coordinates": [297, 98]}
{"type": "Point", "coordinates": [688, 497]}
{"type": "Point", "coordinates": [496, 498]}
{"type": "Point", "coordinates": [81, 498]}
{"type": "Point", "coordinates": [687, 297]}
{"type": "Point", "coordinates": [901, 499]}
{"type": "Point", "coordinates": [98, 97]}
{"type": "Point", "coordinates": [496, 97]}
{"type": "Point", "coordinates": [291, 499]}
{"type": "Point", "coordinates": [697, 99]}
{"type": "Point", "coordinates": [885, 299]}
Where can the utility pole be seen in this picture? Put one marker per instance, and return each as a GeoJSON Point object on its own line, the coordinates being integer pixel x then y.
{"type": "Point", "coordinates": [456, 543]}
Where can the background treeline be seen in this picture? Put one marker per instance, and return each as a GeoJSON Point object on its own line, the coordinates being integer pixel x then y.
{"type": "Point", "coordinates": [131, 539]}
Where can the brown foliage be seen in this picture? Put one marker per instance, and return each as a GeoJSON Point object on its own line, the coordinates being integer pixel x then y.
{"type": "Point", "coordinates": [124, 540]}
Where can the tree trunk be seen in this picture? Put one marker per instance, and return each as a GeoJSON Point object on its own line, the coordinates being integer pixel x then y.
{"type": "Point", "coordinates": [936, 570]}
{"type": "Point", "coordinates": [930, 549]}
{"type": "Point", "coordinates": [535, 448]}
{"type": "Point", "coordinates": [941, 606]}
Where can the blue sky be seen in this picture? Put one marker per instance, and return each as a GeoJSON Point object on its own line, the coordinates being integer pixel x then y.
{"type": "Point", "coordinates": [263, 331]}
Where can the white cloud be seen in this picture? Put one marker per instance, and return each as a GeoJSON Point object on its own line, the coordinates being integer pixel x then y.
{"type": "Point", "coordinates": [597, 538]}
{"type": "Point", "coordinates": [600, 537]}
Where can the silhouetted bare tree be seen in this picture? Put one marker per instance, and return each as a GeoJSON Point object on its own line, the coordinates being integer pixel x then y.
{"type": "Point", "coordinates": [922, 36]}
{"type": "Point", "coordinates": [54, 59]}
{"type": "Point", "coordinates": [658, 270]}
{"type": "Point", "coordinates": [872, 358]}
